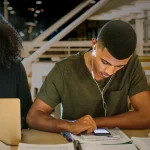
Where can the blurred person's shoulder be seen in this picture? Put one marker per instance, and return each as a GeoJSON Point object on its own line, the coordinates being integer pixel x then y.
{"type": "Point", "coordinates": [17, 66]}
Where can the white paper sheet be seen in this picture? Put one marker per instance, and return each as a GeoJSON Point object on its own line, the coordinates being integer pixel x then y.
{"type": "Point", "coordinates": [108, 147]}
{"type": "Point", "coordinates": [4, 146]}
{"type": "Point", "coordinates": [143, 143]}
{"type": "Point", "coordinates": [23, 146]}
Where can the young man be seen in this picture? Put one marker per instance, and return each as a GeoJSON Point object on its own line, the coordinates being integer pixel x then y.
{"type": "Point", "coordinates": [94, 87]}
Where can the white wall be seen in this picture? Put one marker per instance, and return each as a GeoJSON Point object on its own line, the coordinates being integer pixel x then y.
{"type": "Point", "coordinates": [39, 71]}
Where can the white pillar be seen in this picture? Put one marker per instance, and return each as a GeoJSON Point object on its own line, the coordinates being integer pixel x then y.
{"type": "Point", "coordinates": [140, 35]}
{"type": "Point", "coordinates": [5, 9]}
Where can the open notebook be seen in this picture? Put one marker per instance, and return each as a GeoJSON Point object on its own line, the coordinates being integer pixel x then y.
{"type": "Point", "coordinates": [10, 121]}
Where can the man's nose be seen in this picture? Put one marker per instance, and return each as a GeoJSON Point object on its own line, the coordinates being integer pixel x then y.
{"type": "Point", "coordinates": [110, 70]}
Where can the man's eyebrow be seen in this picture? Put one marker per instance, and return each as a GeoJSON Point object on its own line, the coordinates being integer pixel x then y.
{"type": "Point", "coordinates": [111, 64]}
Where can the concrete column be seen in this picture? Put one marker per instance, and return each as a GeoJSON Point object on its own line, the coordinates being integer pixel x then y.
{"type": "Point", "coordinates": [6, 9]}
{"type": "Point", "coordinates": [140, 35]}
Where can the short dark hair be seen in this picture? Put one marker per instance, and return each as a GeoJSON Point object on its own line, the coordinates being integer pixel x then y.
{"type": "Point", "coordinates": [119, 38]}
{"type": "Point", "coordinates": [10, 44]}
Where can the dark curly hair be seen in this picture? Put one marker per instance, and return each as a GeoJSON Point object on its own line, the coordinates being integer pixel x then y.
{"type": "Point", "coordinates": [10, 44]}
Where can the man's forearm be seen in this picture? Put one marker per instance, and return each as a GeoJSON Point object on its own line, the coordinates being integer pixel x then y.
{"type": "Point", "coordinates": [47, 123]}
{"type": "Point", "coordinates": [44, 122]}
{"type": "Point", "coordinates": [133, 119]}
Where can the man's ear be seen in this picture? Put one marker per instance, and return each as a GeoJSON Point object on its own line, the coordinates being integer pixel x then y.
{"type": "Point", "coordinates": [94, 41]}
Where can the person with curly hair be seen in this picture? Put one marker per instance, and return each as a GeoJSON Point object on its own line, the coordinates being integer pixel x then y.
{"type": "Point", "coordinates": [13, 78]}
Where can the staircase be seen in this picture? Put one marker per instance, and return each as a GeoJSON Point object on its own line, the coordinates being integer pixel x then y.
{"type": "Point", "coordinates": [86, 14]}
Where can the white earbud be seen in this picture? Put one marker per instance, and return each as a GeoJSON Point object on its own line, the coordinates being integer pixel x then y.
{"type": "Point", "coordinates": [92, 74]}
{"type": "Point", "coordinates": [93, 51]}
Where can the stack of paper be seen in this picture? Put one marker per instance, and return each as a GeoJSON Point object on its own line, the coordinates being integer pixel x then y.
{"type": "Point", "coordinates": [117, 137]}
{"type": "Point", "coordinates": [108, 147]}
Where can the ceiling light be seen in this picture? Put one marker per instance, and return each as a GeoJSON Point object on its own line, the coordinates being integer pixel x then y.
{"type": "Point", "coordinates": [38, 2]}
{"type": "Point", "coordinates": [12, 12]}
{"type": "Point", "coordinates": [37, 11]}
{"type": "Point", "coordinates": [10, 8]}
{"type": "Point", "coordinates": [35, 15]}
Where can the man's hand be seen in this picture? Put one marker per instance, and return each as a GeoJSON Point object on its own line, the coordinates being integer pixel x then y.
{"type": "Point", "coordinates": [84, 124]}
{"type": "Point", "coordinates": [39, 119]}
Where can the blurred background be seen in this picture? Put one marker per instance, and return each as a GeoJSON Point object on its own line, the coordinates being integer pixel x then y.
{"type": "Point", "coordinates": [33, 17]}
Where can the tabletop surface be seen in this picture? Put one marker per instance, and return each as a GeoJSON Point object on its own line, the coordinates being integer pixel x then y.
{"type": "Point", "coordinates": [31, 136]}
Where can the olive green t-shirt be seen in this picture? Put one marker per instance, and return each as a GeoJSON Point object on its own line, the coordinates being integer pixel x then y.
{"type": "Point", "coordinates": [71, 84]}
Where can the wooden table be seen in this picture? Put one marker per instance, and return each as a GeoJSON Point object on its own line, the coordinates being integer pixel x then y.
{"type": "Point", "coordinates": [138, 133]}
{"type": "Point", "coordinates": [39, 137]}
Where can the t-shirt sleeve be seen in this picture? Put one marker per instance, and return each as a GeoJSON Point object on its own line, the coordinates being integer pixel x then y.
{"type": "Point", "coordinates": [52, 87]}
{"type": "Point", "coordinates": [138, 81]}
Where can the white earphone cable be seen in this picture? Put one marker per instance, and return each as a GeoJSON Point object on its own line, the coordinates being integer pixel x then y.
{"type": "Point", "coordinates": [102, 92]}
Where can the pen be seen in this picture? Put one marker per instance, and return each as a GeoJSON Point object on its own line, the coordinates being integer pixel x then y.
{"type": "Point", "coordinates": [67, 136]}
{"type": "Point", "coordinates": [77, 145]}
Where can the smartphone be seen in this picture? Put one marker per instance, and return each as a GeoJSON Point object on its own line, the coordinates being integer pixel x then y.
{"type": "Point", "coordinates": [101, 132]}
